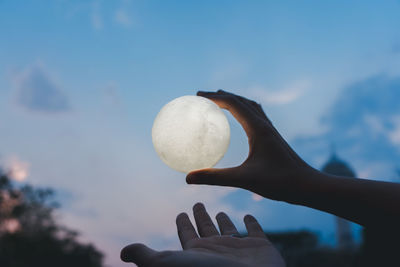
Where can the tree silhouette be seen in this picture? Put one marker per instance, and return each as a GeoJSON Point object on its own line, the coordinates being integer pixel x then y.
{"type": "Point", "coordinates": [29, 234]}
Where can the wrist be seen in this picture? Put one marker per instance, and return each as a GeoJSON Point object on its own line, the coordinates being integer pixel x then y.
{"type": "Point", "coordinates": [302, 184]}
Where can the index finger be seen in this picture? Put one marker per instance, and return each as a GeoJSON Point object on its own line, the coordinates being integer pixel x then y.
{"type": "Point", "coordinates": [250, 103]}
{"type": "Point", "coordinates": [243, 114]}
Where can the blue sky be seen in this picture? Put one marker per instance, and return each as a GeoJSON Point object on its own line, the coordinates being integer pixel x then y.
{"type": "Point", "coordinates": [82, 81]}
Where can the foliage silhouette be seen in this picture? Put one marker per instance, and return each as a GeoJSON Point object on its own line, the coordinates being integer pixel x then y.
{"type": "Point", "coordinates": [30, 235]}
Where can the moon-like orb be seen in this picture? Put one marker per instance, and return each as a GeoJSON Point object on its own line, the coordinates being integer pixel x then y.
{"type": "Point", "coordinates": [190, 133]}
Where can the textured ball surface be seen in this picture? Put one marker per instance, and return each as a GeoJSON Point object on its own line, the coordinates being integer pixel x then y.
{"type": "Point", "coordinates": [190, 133]}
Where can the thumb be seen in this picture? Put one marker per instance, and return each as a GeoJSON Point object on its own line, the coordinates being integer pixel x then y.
{"type": "Point", "coordinates": [138, 254]}
{"type": "Point", "coordinates": [211, 176]}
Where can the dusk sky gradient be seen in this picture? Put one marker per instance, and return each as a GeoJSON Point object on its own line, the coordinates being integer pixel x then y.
{"type": "Point", "coordinates": [82, 81]}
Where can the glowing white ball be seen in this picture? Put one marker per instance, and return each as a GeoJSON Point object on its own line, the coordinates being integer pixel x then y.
{"type": "Point", "coordinates": [190, 133]}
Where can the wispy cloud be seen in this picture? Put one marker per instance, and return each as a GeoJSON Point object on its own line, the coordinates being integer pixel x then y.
{"type": "Point", "coordinates": [394, 134]}
{"type": "Point", "coordinates": [122, 16]}
{"type": "Point", "coordinates": [280, 97]}
{"type": "Point", "coordinates": [364, 124]}
{"type": "Point", "coordinates": [374, 123]}
{"type": "Point", "coordinates": [256, 197]}
{"type": "Point", "coordinates": [37, 91]}
{"type": "Point", "coordinates": [95, 16]}
{"type": "Point", "coordinates": [111, 93]}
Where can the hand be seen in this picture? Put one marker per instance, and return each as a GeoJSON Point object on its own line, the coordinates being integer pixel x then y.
{"type": "Point", "coordinates": [210, 249]}
{"type": "Point", "coordinates": [272, 168]}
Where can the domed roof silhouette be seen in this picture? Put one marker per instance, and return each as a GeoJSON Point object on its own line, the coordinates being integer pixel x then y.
{"type": "Point", "coordinates": [336, 166]}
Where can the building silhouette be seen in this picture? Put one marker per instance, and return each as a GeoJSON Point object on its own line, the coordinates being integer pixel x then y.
{"type": "Point", "coordinates": [336, 166]}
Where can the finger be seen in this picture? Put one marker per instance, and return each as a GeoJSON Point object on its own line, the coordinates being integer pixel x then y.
{"type": "Point", "coordinates": [186, 231]}
{"type": "Point", "coordinates": [212, 176]}
{"type": "Point", "coordinates": [260, 110]}
{"type": "Point", "coordinates": [254, 105]}
{"type": "Point", "coordinates": [253, 227]}
{"type": "Point", "coordinates": [225, 224]}
{"type": "Point", "coordinates": [205, 226]}
{"type": "Point", "coordinates": [138, 254]}
{"type": "Point", "coordinates": [243, 114]}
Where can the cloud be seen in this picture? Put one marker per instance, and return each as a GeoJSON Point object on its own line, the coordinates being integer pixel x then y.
{"type": "Point", "coordinates": [256, 197]}
{"type": "Point", "coordinates": [36, 91]}
{"type": "Point", "coordinates": [139, 212]}
{"type": "Point", "coordinates": [278, 216]}
{"type": "Point", "coordinates": [17, 169]}
{"type": "Point", "coordinates": [122, 16]}
{"type": "Point", "coordinates": [95, 17]}
{"type": "Point", "coordinates": [111, 94]}
{"type": "Point", "coordinates": [119, 197]}
{"type": "Point", "coordinates": [394, 134]}
{"type": "Point", "coordinates": [374, 123]}
{"type": "Point", "coordinates": [280, 97]}
{"type": "Point", "coordinates": [364, 125]}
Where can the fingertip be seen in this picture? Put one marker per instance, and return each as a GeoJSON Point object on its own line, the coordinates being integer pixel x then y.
{"type": "Point", "coordinates": [137, 253]}
{"type": "Point", "coordinates": [198, 206]}
{"type": "Point", "coordinates": [249, 218]}
{"type": "Point", "coordinates": [181, 215]}
{"type": "Point", "coordinates": [125, 254]}
{"type": "Point", "coordinates": [220, 214]}
{"type": "Point", "coordinates": [191, 178]}
{"type": "Point", "coordinates": [201, 93]}
{"type": "Point", "coordinates": [197, 176]}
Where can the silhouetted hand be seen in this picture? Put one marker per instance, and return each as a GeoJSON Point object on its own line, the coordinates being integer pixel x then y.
{"type": "Point", "coordinates": [211, 248]}
{"type": "Point", "coordinates": [275, 171]}
{"type": "Point", "coordinates": [272, 168]}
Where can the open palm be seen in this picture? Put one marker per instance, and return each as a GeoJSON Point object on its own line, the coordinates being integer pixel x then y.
{"type": "Point", "coordinates": [209, 247]}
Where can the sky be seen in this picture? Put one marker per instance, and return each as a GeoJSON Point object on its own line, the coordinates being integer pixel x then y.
{"type": "Point", "coordinates": [82, 81]}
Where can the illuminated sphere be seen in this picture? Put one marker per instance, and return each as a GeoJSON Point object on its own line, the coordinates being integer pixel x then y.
{"type": "Point", "coordinates": [190, 133]}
